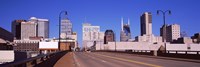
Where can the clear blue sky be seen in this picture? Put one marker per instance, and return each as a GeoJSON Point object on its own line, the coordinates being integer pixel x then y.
{"type": "Point", "coordinates": [104, 13]}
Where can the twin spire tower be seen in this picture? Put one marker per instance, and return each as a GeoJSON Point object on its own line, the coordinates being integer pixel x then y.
{"type": "Point", "coordinates": [122, 22]}
{"type": "Point", "coordinates": [125, 33]}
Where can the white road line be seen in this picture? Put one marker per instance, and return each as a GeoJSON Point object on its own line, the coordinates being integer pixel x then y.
{"type": "Point", "coordinates": [103, 61]}
{"type": "Point", "coordinates": [128, 60]}
{"type": "Point", "coordinates": [96, 58]}
{"type": "Point", "coordinates": [75, 60]}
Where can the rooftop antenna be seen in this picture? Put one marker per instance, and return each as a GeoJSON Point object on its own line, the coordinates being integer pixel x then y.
{"type": "Point", "coordinates": [128, 21]}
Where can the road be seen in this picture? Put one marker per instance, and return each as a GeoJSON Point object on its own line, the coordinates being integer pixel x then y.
{"type": "Point", "coordinates": [108, 59]}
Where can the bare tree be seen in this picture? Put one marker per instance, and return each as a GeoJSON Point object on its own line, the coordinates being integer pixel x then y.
{"type": "Point", "coordinates": [183, 34]}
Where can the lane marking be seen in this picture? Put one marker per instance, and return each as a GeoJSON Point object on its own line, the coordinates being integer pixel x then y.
{"type": "Point", "coordinates": [132, 61]}
{"type": "Point", "coordinates": [103, 61]}
{"type": "Point", "coordinates": [76, 61]}
{"type": "Point", "coordinates": [95, 58]}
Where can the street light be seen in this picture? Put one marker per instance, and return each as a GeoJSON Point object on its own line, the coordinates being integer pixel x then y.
{"type": "Point", "coordinates": [115, 40]}
{"type": "Point", "coordinates": [164, 32]}
{"type": "Point", "coordinates": [65, 13]}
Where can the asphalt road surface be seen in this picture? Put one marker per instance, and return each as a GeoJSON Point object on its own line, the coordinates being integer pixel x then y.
{"type": "Point", "coordinates": [108, 59]}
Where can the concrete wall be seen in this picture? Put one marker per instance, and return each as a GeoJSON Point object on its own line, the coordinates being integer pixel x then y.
{"type": "Point", "coordinates": [6, 56]}
{"type": "Point", "coordinates": [176, 46]}
{"type": "Point", "coordinates": [189, 47]}
{"type": "Point", "coordinates": [100, 46]}
{"type": "Point", "coordinates": [147, 46]}
{"type": "Point", "coordinates": [128, 46]}
{"type": "Point", "coordinates": [195, 47]}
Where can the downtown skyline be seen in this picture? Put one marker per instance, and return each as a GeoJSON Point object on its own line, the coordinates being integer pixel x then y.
{"type": "Point", "coordinates": [106, 14]}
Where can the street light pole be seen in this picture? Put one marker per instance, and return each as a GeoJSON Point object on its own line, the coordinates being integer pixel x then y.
{"type": "Point", "coordinates": [115, 40]}
{"type": "Point", "coordinates": [164, 32]}
{"type": "Point", "coordinates": [59, 27]}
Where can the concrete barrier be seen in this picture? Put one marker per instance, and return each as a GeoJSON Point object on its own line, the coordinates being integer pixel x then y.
{"type": "Point", "coordinates": [38, 61]}
{"type": "Point", "coordinates": [6, 56]}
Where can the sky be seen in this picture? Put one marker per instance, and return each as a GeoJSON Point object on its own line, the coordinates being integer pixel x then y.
{"type": "Point", "coordinates": [104, 13]}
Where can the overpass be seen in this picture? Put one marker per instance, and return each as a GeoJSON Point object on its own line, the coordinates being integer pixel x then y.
{"type": "Point", "coordinates": [104, 59]}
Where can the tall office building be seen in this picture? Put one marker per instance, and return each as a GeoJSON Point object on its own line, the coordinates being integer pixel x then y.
{"type": "Point", "coordinates": [38, 28]}
{"type": "Point", "coordinates": [42, 27]}
{"type": "Point", "coordinates": [146, 23]}
{"type": "Point", "coordinates": [125, 33]}
{"type": "Point", "coordinates": [109, 36]}
{"type": "Point", "coordinates": [92, 35]}
{"type": "Point", "coordinates": [66, 27]}
{"type": "Point", "coordinates": [172, 32]}
{"type": "Point", "coordinates": [146, 29]}
{"type": "Point", "coordinates": [28, 29]}
{"type": "Point", "coordinates": [16, 28]}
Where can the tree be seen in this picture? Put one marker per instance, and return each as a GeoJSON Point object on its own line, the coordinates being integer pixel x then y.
{"type": "Point", "coordinates": [183, 34]}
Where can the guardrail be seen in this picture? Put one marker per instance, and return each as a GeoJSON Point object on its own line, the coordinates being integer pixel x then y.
{"type": "Point", "coordinates": [30, 62]}
{"type": "Point", "coordinates": [183, 52]}
{"type": "Point", "coordinates": [156, 53]}
{"type": "Point", "coordinates": [167, 51]}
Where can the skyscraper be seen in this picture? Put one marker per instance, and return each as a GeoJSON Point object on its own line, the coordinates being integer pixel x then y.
{"type": "Point", "coordinates": [172, 32]}
{"type": "Point", "coordinates": [66, 27]}
{"type": "Point", "coordinates": [91, 35]}
{"type": "Point", "coordinates": [125, 33]}
{"type": "Point", "coordinates": [109, 36]}
{"type": "Point", "coordinates": [16, 28]}
{"type": "Point", "coordinates": [146, 24]}
{"type": "Point", "coordinates": [38, 27]}
{"type": "Point", "coordinates": [42, 27]}
{"type": "Point", "coordinates": [146, 29]}
{"type": "Point", "coordinates": [28, 29]}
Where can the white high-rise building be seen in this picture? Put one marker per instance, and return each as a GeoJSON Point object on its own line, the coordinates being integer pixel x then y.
{"type": "Point", "coordinates": [35, 27]}
{"type": "Point", "coordinates": [42, 26]}
{"type": "Point", "coordinates": [28, 29]}
{"type": "Point", "coordinates": [66, 27]}
{"type": "Point", "coordinates": [92, 35]}
{"type": "Point", "coordinates": [172, 32]}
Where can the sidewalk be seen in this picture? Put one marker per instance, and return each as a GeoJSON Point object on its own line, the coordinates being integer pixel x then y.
{"type": "Point", "coordinates": [65, 61]}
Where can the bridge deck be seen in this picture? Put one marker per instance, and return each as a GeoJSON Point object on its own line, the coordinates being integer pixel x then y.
{"type": "Point", "coordinates": [65, 61]}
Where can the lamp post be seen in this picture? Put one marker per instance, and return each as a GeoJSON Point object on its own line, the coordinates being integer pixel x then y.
{"type": "Point", "coordinates": [115, 40]}
{"type": "Point", "coordinates": [164, 32]}
{"type": "Point", "coordinates": [65, 13]}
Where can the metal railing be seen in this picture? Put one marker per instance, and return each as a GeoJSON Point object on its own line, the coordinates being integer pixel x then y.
{"type": "Point", "coordinates": [183, 52]}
